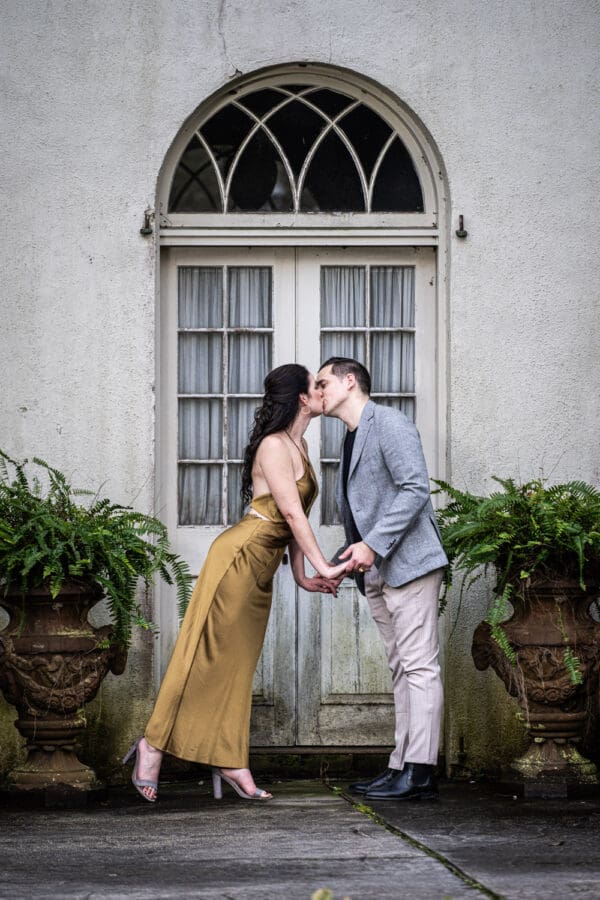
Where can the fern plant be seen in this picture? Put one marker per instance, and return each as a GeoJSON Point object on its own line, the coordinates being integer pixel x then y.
{"type": "Point", "coordinates": [524, 531]}
{"type": "Point", "coordinates": [48, 537]}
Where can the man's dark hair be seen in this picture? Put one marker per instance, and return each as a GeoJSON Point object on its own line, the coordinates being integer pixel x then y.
{"type": "Point", "coordinates": [342, 365]}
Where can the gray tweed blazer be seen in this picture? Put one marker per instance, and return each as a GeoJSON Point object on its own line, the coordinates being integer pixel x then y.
{"type": "Point", "coordinates": [388, 492]}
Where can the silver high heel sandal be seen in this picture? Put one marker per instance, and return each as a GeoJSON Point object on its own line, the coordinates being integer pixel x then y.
{"type": "Point", "coordinates": [218, 776]}
{"type": "Point", "coordinates": [137, 782]}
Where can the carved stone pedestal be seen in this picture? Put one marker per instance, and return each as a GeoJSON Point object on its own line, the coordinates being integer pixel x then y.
{"type": "Point", "coordinates": [52, 662]}
{"type": "Point", "coordinates": [548, 618]}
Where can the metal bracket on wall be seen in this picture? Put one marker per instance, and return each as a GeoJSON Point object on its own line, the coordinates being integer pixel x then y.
{"type": "Point", "coordinates": [146, 228]}
{"type": "Point", "coordinates": [460, 231]}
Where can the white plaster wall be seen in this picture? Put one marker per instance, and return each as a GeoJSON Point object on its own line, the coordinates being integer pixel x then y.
{"type": "Point", "coordinates": [94, 93]}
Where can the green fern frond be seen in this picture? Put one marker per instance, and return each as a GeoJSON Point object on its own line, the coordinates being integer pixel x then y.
{"type": "Point", "coordinates": [47, 537]}
{"type": "Point", "coordinates": [495, 617]}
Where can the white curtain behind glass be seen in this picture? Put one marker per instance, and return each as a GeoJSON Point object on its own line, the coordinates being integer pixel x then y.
{"type": "Point", "coordinates": [230, 359]}
{"type": "Point", "coordinates": [375, 327]}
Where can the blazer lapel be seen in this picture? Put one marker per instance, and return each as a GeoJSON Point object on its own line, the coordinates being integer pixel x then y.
{"type": "Point", "coordinates": [364, 426]}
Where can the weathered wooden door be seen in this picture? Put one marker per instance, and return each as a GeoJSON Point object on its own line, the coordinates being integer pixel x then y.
{"type": "Point", "coordinates": [376, 306]}
{"type": "Point", "coordinates": [227, 317]}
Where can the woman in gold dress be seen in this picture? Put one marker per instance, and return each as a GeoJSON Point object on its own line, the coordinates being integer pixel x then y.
{"type": "Point", "coordinates": [202, 712]}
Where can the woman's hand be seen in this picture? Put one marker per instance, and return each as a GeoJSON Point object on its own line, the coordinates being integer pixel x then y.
{"type": "Point", "coordinates": [335, 572]}
{"type": "Point", "coordinates": [318, 584]}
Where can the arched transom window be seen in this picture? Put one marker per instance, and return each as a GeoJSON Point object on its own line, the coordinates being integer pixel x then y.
{"type": "Point", "coordinates": [295, 148]}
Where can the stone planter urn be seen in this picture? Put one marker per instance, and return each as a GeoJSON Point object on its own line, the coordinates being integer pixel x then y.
{"type": "Point", "coordinates": [549, 617]}
{"type": "Point", "coordinates": [52, 662]}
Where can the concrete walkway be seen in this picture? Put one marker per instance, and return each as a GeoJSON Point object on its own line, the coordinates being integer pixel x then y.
{"type": "Point", "coordinates": [310, 837]}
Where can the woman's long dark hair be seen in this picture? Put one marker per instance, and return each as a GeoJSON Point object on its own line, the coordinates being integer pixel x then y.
{"type": "Point", "coordinates": [278, 410]}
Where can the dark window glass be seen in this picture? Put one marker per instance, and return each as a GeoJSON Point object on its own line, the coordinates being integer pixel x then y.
{"type": "Point", "coordinates": [330, 102]}
{"type": "Point", "coordinates": [195, 187]}
{"type": "Point", "coordinates": [260, 102]}
{"type": "Point", "coordinates": [397, 187]}
{"type": "Point", "coordinates": [332, 182]}
{"type": "Point", "coordinates": [296, 127]}
{"type": "Point", "coordinates": [224, 132]}
{"type": "Point", "coordinates": [368, 133]}
{"type": "Point", "coordinates": [260, 182]}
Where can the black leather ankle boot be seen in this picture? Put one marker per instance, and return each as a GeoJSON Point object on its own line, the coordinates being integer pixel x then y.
{"type": "Point", "coordinates": [362, 787]}
{"type": "Point", "coordinates": [415, 782]}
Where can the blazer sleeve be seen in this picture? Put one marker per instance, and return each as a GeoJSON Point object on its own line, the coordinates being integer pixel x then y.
{"type": "Point", "coordinates": [400, 445]}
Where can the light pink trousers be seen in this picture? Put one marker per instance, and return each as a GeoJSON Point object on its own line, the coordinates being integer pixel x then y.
{"type": "Point", "coordinates": [407, 618]}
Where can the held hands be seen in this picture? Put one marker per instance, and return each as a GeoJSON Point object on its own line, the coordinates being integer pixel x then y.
{"type": "Point", "coordinates": [319, 584]}
{"type": "Point", "coordinates": [361, 557]}
{"type": "Point", "coordinates": [336, 572]}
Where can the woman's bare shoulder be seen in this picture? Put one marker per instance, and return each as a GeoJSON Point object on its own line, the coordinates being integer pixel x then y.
{"type": "Point", "coordinates": [273, 444]}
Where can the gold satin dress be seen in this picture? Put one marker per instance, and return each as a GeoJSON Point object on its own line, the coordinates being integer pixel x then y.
{"type": "Point", "coordinates": [202, 712]}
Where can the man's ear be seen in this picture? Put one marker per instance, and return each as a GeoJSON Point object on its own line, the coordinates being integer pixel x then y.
{"type": "Point", "coordinates": [351, 380]}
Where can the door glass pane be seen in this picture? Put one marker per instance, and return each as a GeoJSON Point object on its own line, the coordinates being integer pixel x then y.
{"type": "Point", "coordinates": [200, 363]}
{"type": "Point", "coordinates": [343, 296]}
{"type": "Point", "coordinates": [200, 297]}
{"type": "Point", "coordinates": [200, 493]}
{"type": "Point", "coordinates": [350, 345]}
{"type": "Point", "coordinates": [249, 362]}
{"type": "Point", "coordinates": [332, 433]}
{"type": "Point", "coordinates": [200, 429]}
{"type": "Point", "coordinates": [404, 404]}
{"type": "Point", "coordinates": [206, 321]}
{"type": "Point", "coordinates": [378, 331]}
{"type": "Point", "coordinates": [393, 296]}
{"type": "Point", "coordinates": [250, 297]}
{"type": "Point", "coordinates": [240, 420]}
{"type": "Point", "coordinates": [329, 510]}
{"type": "Point", "coordinates": [392, 362]}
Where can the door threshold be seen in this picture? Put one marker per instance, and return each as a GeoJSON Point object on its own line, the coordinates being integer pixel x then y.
{"type": "Point", "coordinates": [318, 762]}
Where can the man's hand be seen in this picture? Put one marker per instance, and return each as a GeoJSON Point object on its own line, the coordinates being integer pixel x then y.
{"type": "Point", "coordinates": [359, 557]}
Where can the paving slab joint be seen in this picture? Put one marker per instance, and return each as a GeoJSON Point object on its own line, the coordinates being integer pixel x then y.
{"type": "Point", "coordinates": [418, 845]}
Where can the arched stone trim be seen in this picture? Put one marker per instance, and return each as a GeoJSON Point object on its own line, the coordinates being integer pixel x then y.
{"type": "Point", "coordinates": [404, 124]}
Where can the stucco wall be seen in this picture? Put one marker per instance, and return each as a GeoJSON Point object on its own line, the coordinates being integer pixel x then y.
{"type": "Point", "coordinates": [93, 95]}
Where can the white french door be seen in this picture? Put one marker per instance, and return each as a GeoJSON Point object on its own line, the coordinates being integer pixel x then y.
{"type": "Point", "coordinates": [227, 317]}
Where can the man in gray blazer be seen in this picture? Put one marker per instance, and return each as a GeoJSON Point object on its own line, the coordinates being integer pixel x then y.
{"type": "Point", "coordinates": [396, 555]}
